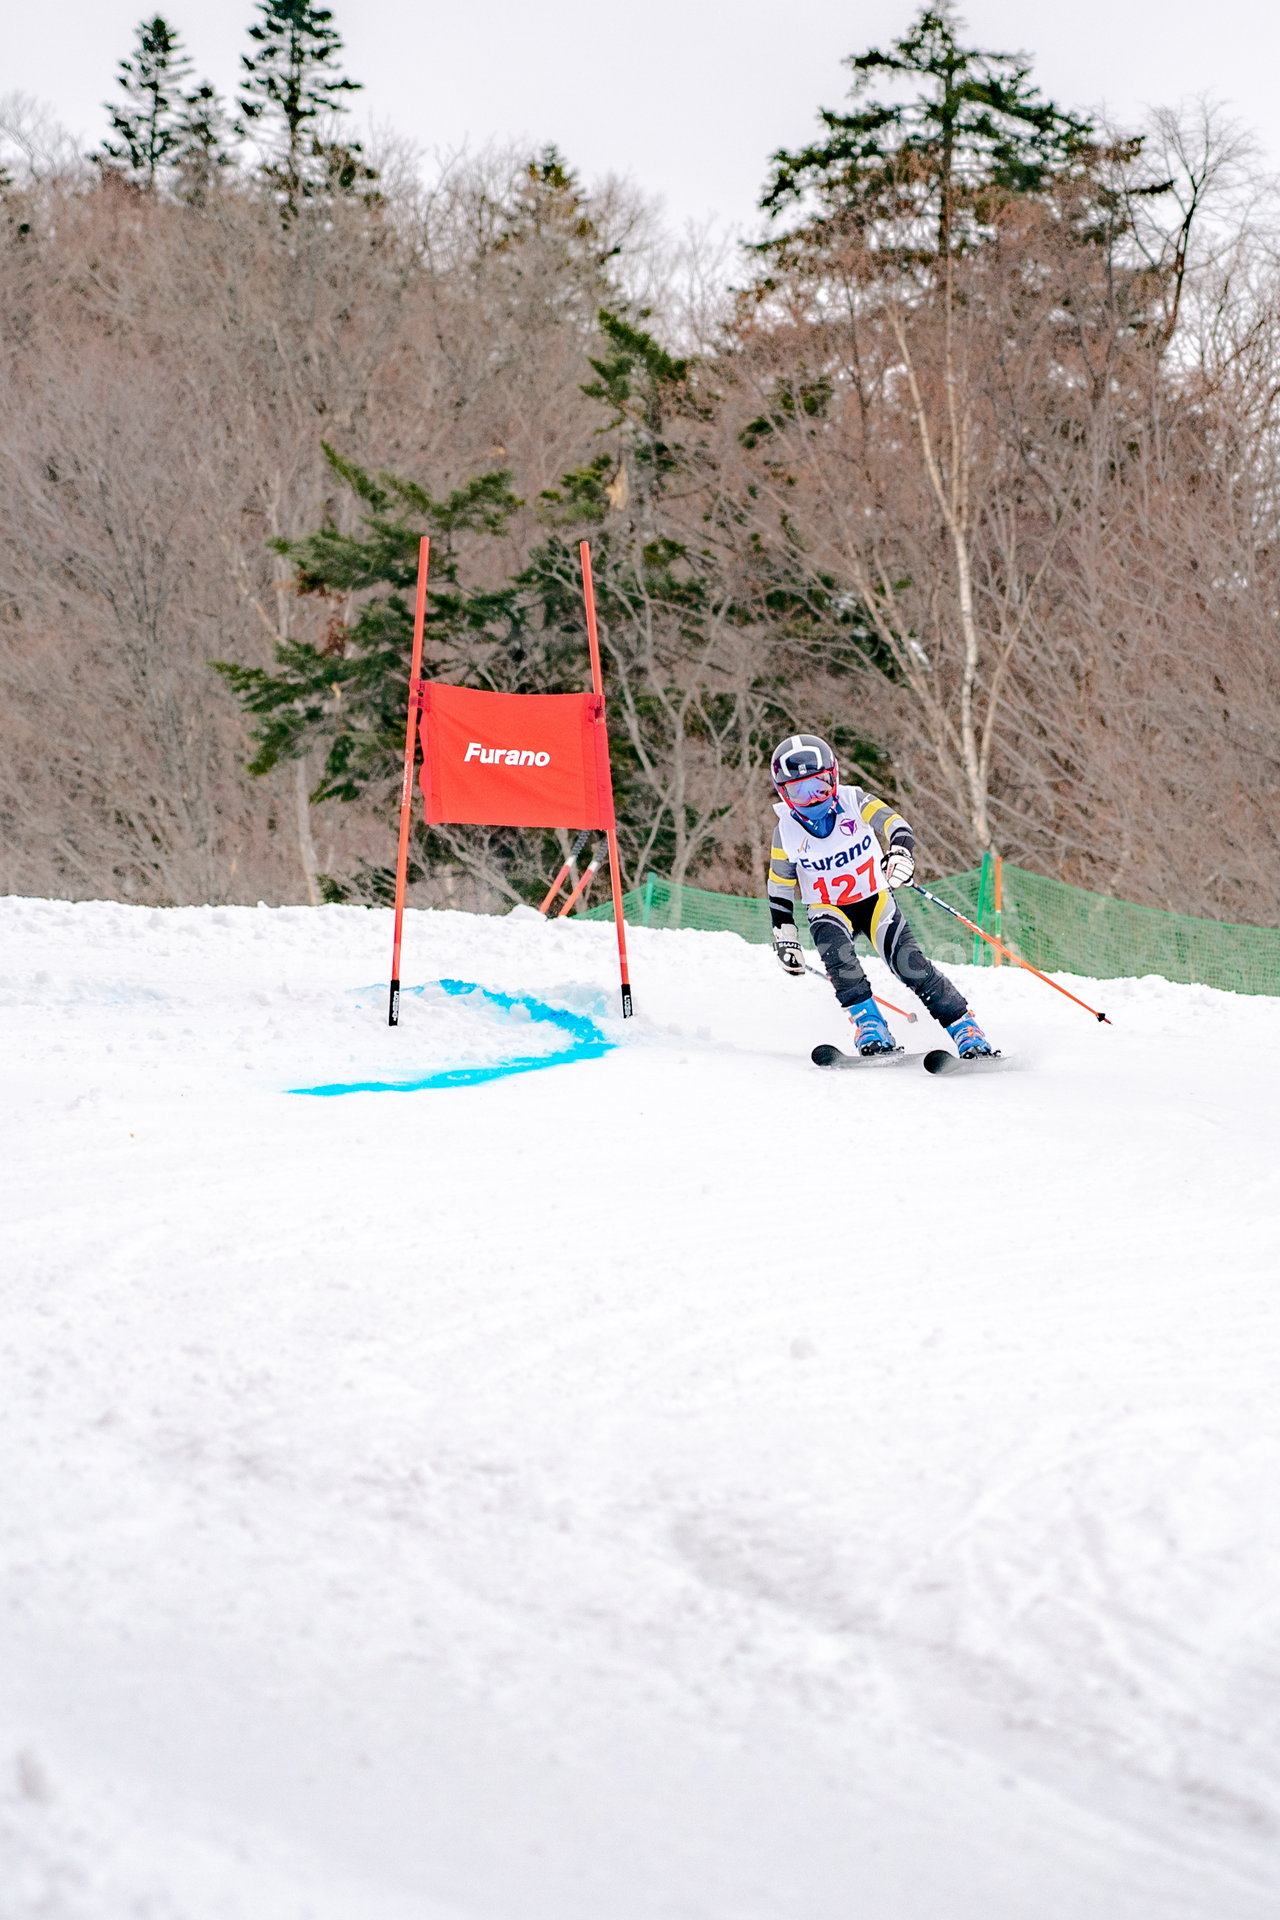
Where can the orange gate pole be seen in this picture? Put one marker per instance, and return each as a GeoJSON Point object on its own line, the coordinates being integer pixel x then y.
{"type": "Point", "coordinates": [597, 861]}
{"type": "Point", "coordinates": [558, 882]}
{"type": "Point", "coordinates": [597, 686]}
{"type": "Point", "coordinates": [406, 790]}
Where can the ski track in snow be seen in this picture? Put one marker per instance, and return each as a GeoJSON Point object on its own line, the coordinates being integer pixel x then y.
{"type": "Point", "coordinates": [678, 1483]}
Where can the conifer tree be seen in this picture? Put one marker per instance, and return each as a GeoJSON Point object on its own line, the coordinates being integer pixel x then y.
{"type": "Point", "coordinates": [344, 697]}
{"type": "Point", "coordinates": [147, 124]}
{"type": "Point", "coordinates": [202, 150]}
{"type": "Point", "coordinates": [911, 174]}
{"type": "Point", "coordinates": [289, 82]}
{"type": "Point", "coordinates": [549, 206]}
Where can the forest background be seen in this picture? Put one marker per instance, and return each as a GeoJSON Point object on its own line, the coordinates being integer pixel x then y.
{"type": "Point", "coordinates": [970, 463]}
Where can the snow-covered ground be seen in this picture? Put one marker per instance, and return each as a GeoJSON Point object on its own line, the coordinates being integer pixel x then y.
{"type": "Point", "coordinates": [676, 1483]}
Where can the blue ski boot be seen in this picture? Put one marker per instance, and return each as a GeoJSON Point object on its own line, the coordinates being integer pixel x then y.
{"type": "Point", "coordinates": [870, 1029]}
{"type": "Point", "coordinates": [971, 1041]}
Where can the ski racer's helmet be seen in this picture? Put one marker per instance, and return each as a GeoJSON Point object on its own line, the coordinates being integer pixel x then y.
{"type": "Point", "coordinates": [806, 775]}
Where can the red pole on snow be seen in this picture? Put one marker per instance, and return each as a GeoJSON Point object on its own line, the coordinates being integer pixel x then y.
{"type": "Point", "coordinates": [597, 686]}
{"type": "Point", "coordinates": [555, 887]}
{"type": "Point", "coordinates": [406, 790]}
{"type": "Point", "coordinates": [597, 861]}
{"type": "Point", "coordinates": [558, 882]}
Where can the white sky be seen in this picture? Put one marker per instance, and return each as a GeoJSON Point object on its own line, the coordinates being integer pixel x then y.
{"type": "Point", "coordinates": [687, 97]}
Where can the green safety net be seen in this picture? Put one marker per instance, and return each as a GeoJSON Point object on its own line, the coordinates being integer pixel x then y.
{"type": "Point", "coordinates": [1058, 928]}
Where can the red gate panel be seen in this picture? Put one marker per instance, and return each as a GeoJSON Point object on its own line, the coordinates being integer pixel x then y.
{"type": "Point", "coordinates": [514, 759]}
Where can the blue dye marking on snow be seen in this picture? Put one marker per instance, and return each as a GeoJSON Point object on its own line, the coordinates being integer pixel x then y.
{"type": "Point", "coordinates": [587, 1043]}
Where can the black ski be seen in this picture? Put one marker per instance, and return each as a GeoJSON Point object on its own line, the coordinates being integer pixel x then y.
{"type": "Point", "coordinates": [833, 1057]}
{"type": "Point", "coordinates": [940, 1061]}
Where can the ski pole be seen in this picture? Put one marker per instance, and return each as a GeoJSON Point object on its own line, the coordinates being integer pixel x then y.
{"type": "Point", "coordinates": [558, 882]}
{"type": "Point", "coordinates": [1008, 952]}
{"type": "Point", "coordinates": [888, 1005]}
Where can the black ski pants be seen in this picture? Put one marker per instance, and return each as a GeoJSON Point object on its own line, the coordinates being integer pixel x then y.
{"type": "Point", "coordinates": [882, 922]}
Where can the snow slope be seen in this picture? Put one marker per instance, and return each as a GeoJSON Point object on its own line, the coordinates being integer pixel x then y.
{"type": "Point", "coordinates": [676, 1483]}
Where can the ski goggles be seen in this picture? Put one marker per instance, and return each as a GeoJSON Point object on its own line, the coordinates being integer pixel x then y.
{"type": "Point", "coordinates": [810, 790]}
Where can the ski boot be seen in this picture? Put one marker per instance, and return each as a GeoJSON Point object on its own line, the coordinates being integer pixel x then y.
{"type": "Point", "coordinates": [870, 1029]}
{"type": "Point", "coordinates": [971, 1041]}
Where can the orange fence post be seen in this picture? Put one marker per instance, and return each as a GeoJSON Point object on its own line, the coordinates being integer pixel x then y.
{"type": "Point", "coordinates": [406, 790]}
{"type": "Point", "coordinates": [597, 684]}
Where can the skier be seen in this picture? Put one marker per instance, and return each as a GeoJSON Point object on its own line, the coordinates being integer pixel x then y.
{"type": "Point", "coordinates": [843, 852]}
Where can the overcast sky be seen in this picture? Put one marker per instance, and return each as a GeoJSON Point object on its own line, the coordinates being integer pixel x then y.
{"type": "Point", "coordinates": [687, 97]}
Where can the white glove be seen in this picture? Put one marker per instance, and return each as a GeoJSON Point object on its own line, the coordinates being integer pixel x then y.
{"type": "Point", "coordinates": [787, 948]}
{"type": "Point", "coordinates": [899, 867]}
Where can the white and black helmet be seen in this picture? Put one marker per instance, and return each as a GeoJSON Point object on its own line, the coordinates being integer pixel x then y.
{"type": "Point", "coordinates": [807, 778]}
{"type": "Point", "coordinates": [803, 754]}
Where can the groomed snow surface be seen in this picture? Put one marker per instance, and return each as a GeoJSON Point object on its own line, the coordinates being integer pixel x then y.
{"type": "Point", "coordinates": [673, 1483]}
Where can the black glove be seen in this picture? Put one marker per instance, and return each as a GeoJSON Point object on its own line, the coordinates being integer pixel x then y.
{"type": "Point", "coordinates": [787, 948]}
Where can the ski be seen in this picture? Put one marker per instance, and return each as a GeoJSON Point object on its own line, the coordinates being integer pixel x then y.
{"type": "Point", "coordinates": [940, 1061]}
{"type": "Point", "coordinates": [833, 1057]}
